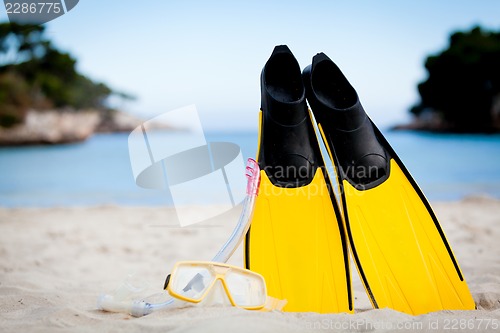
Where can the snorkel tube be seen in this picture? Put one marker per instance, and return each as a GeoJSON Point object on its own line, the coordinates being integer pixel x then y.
{"type": "Point", "coordinates": [121, 300]}
{"type": "Point", "coordinates": [252, 173]}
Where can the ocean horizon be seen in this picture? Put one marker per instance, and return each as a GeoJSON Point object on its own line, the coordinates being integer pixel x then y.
{"type": "Point", "coordinates": [98, 171]}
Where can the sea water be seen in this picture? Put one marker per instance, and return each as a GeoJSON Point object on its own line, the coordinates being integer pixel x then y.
{"type": "Point", "coordinates": [98, 171]}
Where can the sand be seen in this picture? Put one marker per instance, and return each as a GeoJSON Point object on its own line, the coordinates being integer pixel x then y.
{"type": "Point", "coordinates": [54, 263]}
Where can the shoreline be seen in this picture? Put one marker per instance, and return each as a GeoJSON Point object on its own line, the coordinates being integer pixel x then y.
{"type": "Point", "coordinates": [158, 205]}
{"type": "Point", "coordinates": [66, 126]}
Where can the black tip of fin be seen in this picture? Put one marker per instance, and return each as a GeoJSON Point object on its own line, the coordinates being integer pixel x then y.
{"type": "Point", "coordinates": [289, 152]}
{"type": "Point", "coordinates": [360, 157]}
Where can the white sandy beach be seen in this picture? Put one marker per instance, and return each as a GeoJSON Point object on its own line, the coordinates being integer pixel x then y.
{"type": "Point", "coordinates": [56, 261]}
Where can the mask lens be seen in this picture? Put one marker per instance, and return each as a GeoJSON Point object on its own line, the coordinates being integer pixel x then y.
{"type": "Point", "coordinates": [247, 289]}
{"type": "Point", "coordinates": [191, 281]}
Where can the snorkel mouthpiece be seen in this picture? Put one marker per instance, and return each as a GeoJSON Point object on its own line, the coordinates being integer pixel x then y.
{"type": "Point", "coordinates": [135, 308]}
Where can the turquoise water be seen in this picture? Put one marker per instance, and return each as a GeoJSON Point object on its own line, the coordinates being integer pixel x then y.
{"type": "Point", "coordinates": [98, 171]}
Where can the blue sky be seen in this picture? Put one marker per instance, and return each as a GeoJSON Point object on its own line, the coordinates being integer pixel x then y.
{"type": "Point", "coordinates": [210, 53]}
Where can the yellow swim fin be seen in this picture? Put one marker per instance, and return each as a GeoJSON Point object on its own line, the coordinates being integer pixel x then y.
{"type": "Point", "coordinates": [296, 239]}
{"type": "Point", "coordinates": [399, 247]}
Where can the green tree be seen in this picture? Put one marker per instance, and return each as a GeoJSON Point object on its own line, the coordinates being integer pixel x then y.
{"type": "Point", "coordinates": [33, 73]}
{"type": "Point", "coordinates": [19, 42]}
{"type": "Point", "coordinates": [14, 99]}
{"type": "Point", "coordinates": [463, 81]}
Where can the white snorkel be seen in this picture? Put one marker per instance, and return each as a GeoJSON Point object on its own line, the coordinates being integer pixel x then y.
{"type": "Point", "coordinates": [122, 299]}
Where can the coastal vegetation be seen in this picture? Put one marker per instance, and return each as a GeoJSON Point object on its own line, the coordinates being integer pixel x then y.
{"type": "Point", "coordinates": [462, 89]}
{"type": "Point", "coordinates": [38, 79]}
